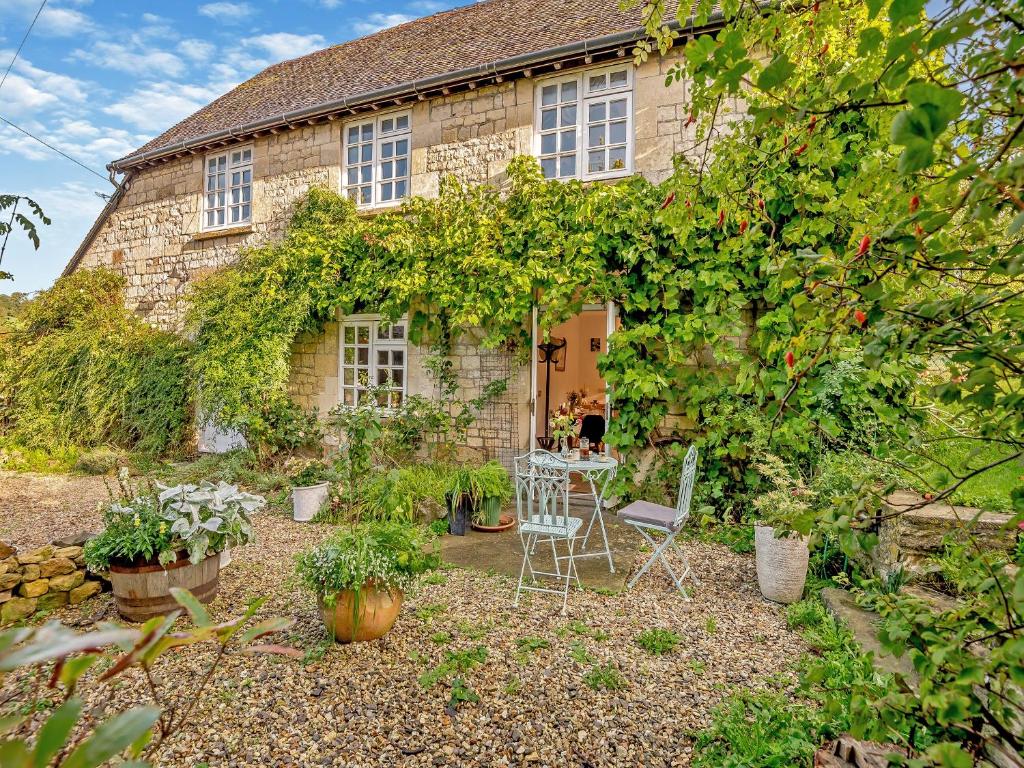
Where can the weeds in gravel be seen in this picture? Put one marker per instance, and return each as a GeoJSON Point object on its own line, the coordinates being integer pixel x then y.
{"type": "Point", "coordinates": [513, 686]}
{"type": "Point", "coordinates": [698, 667]}
{"type": "Point", "coordinates": [658, 641]}
{"type": "Point", "coordinates": [579, 652]}
{"type": "Point", "coordinates": [472, 631]}
{"type": "Point", "coordinates": [455, 662]}
{"type": "Point", "coordinates": [579, 628]}
{"type": "Point", "coordinates": [441, 638]}
{"type": "Point", "coordinates": [318, 650]}
{"type": "Point", "coordinates": [711, 626]}
{"type": "Point", "coordinates": [461, 694]}
{"type": "Point", "coordinates": [427, 613]}
{"type": "Point", "coordinates": [605, 677]}
{"type": "Point", "coordinates": [435, 578]}
{"type": "Point", "coordinates": [530, 643]}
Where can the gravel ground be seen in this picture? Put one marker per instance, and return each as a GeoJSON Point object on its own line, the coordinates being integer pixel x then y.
{"type": "Point", "coordinates": [362, 705]}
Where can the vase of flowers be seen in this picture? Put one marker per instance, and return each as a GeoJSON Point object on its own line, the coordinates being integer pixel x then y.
{"type": "Point", "coordinates": [360, 574]}
{"type": "Point", "coordinates": [563, 427]}
{"type": "Point", "coordinates": [168, 537]}
{"type": "Point", "coordinates": [781, 550]}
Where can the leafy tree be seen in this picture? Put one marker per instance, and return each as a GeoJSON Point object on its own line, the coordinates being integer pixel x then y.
{"type": "Point", "coordinates": [875, 193]}
{"type": "Point", "coordinates": [26, 223]}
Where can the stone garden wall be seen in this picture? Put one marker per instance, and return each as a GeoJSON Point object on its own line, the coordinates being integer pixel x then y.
{"type": "Point", "coordinates": [45, 578]}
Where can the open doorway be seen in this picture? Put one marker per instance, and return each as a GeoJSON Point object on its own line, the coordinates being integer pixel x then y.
{"type": "Point", "coordinates": [565, 370]}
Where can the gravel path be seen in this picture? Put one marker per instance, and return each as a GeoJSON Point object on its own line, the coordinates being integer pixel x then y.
{"type": "Point", "coordinates": [363, 705]}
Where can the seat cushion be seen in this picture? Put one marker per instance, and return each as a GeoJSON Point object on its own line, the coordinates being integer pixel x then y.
{"type": "Point", "coordinates": [650, 513]}
{"type": "Point", "coordinates": [547, 525]}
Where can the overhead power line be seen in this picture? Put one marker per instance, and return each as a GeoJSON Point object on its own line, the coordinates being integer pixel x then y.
{"type": "Point", "coordinates": [22, 45]}
{"type": "Point", "coordinates": [58, 151]}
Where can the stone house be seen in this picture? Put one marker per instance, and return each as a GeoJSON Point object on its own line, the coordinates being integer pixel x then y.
{"type": "Point", "coordinates": [384, 117]}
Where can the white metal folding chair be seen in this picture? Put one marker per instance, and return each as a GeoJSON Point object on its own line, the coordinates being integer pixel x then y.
{"type": "Point", "coordinates": [542, 506]}
{"type": "Point", "coordinates": [648, 517]}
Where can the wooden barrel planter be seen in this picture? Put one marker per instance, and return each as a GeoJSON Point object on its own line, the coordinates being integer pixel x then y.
{"type": "Point", "coordinates": [144, 591]}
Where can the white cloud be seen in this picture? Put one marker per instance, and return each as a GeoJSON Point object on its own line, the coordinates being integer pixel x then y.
{"type": "Point", "coordinates": [378, 21]}
{"type": "Point", "coordinates": [285, 45]}
{"type": "Point", "coordinates": [29, 88]}
{"type": "Point", "coordinates": [63, 22]}
{"type": "Point", "coordinates": [135, 57]}
{"type": "Point", "coordinates": [196, 50]}
{"type": "Point", "coordinates": [93, 145]}
{"type": "Point", "coordinates": [156, 107]}
{"type": "Point", "coordinates": [227, 13]}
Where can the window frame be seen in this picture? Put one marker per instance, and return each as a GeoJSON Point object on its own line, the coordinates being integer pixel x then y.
{"type": "Point", "coordinates": [376, 162]}
{"type": "Point", "coordinates": [374, 345]}
{"type": "Point", "coordinates": [584, 98]}
{"type": "Point", "coordinates": [229, 167]}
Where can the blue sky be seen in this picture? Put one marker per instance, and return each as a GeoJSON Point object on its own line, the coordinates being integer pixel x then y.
{"type": "Point", "coordinates": [98, 78]}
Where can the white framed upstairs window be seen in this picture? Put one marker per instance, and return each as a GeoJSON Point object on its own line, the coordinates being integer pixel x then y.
{"type": "Point", "coordinates": [373, 353]}
{"type": "Point", "coordinates": [584, 124]}
{"type": "Point", "coordinates": [228, 189]}
{"type": "Point", "coordinates": [376, 154]}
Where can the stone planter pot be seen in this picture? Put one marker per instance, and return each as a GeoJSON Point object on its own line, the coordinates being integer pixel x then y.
{"type": "Point", "coordinates": [781, 564]}
{"type": "Point", "coordinates": [307, 500]}
{"type": "Point", "coordinates": [378, 610]}
{"type": "Point", "coordinates": [142, 591]}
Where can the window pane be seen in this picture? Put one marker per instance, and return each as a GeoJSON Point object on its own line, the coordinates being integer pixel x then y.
{"type": "Point", "coordinates": [350, 355]}
{"type": "Point", "coordinates": [397, 355]}
{"type": "Point", "coordinates": [209, 218]}
{"type": "Point", "coordinates": [212, 164]}
{"type": "Point", "coordinates": [548, 167]}
{"type": "Point", "coordinates": [353, 155]}
{"type": "Point", "coordinates": [246, 193]}
{"type": "Point", "coordinates": [353, 175]}
{"type": "Point", "coordinates": [402, 147]}
{"type": "Point", "coordinates": [387, 149]}
{"type": "Point", "coordinates": [366, 153]}
{"type": "Point", "coordinates": [617, 132]}
{"type": "Point", "coordinates": [364, 334]}
{"type": "Point", "coordinates": [363, 355]}
{"type": "Point", "coordinates": [568, 141]}
{"type": "Point", "coordinates": [597, 82]}
{"type": "Point", "coordinates": [400, 189]}
{"type": "Point", "coordinates": [246, 177]}
{"type": "Point", "coordinates": [548, 143]}
{"type": "Point", "coordinates": [387, 125]}
{"type": "Point", "coordinates": [386, 170]}
{"type": "Point", "coordinates": [236, 197]}
{"type": "Point", "coordinates": [385, 191]}
{"type": "Point", "coordinates": [548, 119]}
{"type": "Point", "coordinates": [617, 108]}
{"type": "Point", "coordinates": [222, 162]}
{"type": "Point", "coordinates": [209, 183]}
{"type": "Point", "coordinates": [220, 216]}
{"type": "Point", "coordinates": [350, 334]}
{"type": "Point", "coordinates": [617, 158]}
{"type": "Point", "coordinates": [383, 332]}
{"type": "Point", "coordinates": [567, 165]}
{"type": "Point", "coordinates": [596, 112]}
{"type": "Point", "coordinates": [618, 78]}
{"type": "Point", "coordinates": [401, 167]}
{"type": "Point", "coordinates": [353, 134]}
{"type": "Point", "coordinates": [246, 211]}
{"type": "Point", "coordinates": [402, 123]}
{"type": "Point", "coordinates": [247, 156]}
{"type": "Point", "coordinates": [366, 173]}
{"type": "Point", "coordinates": [595, 136]}
{"type": "Point", "coordinates": [569, 115]}
{"type": "Point", "coordinates": [348, 376]}
{"type": "Point", "coordinates": [349, 397]}
{"type": "Point", "coordinates": [382, 376]}
{"type": "Point", "coordinates": [364, 195]}
{"type": "Point", "coordinates": [595, 162]}
{"type": "Point", "coordinates": [569, 91]}
{"type": "Point", "coordinates": [236, 157]}
{"type": "Point", "coordinates": [549, 95]}
{"type": "Point", "coordinates": [367, 132]}
{"type": "Point", "coordinates": [397, 376]}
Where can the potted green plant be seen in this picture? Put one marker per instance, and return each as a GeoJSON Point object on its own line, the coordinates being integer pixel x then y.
{"type": "Point", "coordinates": [780, 543]}
{"type": "Point", "coordinates": [310, 489]}
{"type": "Point", "coordinates": [152, 542]}
{"type": "Point", "coordinates": [360, 574]}
{"type": "Point", "coordinates": [459, 499]}
{"type": "Point", "coordinates": [490, 487]}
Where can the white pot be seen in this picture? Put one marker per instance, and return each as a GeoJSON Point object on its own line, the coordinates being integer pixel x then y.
{"type": "Point", "coordinates": [307, 500]}
{"type": "Point", "coordinates": [781, 564]}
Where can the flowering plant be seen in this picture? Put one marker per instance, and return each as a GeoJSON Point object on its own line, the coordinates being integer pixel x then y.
{"type": "Point", "coordinates": [563, 423]}
{"type": "Point", "coordinates": [201, 519]}
{"type": "Point", "coordinates": [388, 555]}
{"type": "Point", "coordinates": [787, 505]}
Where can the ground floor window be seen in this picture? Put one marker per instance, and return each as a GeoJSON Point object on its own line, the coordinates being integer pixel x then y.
{"type": "Point", "coordinates": [373, 353]}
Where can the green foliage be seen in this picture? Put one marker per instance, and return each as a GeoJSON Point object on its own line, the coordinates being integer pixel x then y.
{"type": "Point", "coordinates": [454, 663]}
{"type": "Point", "coordinates": [137, 735]}
{"type": "Point", "coordinates": [605, 677]}
{"type": "Point", "coordinates": [83, 370]}
{"type": "Point", "coordinates": [418, 488]}
{"type": "Point", "coordinates": [99, 461]}
{"type": "Point", "coordinates": [20, 218]}
{"type": "Point", "coordinates": [309, 473]}
{"type": "Point", "coordinates": [530, 643]}
{"type": "Point", "coordinates": [391, 555]}
{"type": "Point", "coordinates": [657, 641]}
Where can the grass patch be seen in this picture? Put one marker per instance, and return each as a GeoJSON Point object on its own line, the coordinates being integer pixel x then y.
{"type": "Point", "coordinates": [441, 638]}
{"type": "Point", "coordinates": [658, 641]}
{"type": "Point", "coordinates": [427, 613]}
{"type": "Point", "coordinates": [989, 491]}
{"type": "Point", "coordinates": [579, 628]}
{"type": "Point", "coordinates": [605, 677]}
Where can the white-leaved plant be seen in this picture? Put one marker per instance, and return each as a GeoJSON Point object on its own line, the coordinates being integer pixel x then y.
{"type": "Point", "coordinates": [208, 518]}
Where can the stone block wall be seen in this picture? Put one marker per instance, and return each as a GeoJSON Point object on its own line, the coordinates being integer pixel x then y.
{"type": "Point", "coordinates": [45, 578]}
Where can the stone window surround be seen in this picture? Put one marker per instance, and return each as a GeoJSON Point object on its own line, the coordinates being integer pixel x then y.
{"type": "Point", "coordinates": [375, 345]}
{"type": "Point", "coordinates": [585, 97]}
{"type": "Point", "coordinates": [377, 141]}
{"type": "Point", "coordinates": [239, 167]}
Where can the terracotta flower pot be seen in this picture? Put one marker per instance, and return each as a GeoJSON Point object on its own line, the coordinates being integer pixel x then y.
{"type": "Point", "coordinates": [781, 564]}
{"type": "Point", "coordinates": [378, 610]}
{"type": "Point", "coordinates": [143, 590]}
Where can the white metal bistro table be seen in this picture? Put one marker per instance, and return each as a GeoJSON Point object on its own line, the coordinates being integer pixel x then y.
{"type": "Point", "coordinates": [598, 472]}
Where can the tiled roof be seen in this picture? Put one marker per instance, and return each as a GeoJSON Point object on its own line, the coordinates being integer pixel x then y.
{"type": "Point", "coordinates": [473, 36]}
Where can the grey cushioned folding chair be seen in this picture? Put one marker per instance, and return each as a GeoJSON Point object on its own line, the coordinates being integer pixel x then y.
{"type": "Point", "coordinates": [648, 517]}
{"type": "Point", "coordinates": [542, 503]}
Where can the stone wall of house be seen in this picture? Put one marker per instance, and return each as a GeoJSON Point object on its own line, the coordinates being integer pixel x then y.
{"type": "Point", "coordinates": [43, 579]}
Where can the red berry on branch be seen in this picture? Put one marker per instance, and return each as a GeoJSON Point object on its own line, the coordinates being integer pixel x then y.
{"type": "Point", "coordinates": [817, 6]}
{"type": "Point", "coordinates": [861, 317]}
{"type": "Point", "coordinates": [760, 203]}
{"type": "Point", "coordinates": [743, 226]}
{"type": "Point", "coordinates": [824, 50]}
{"type": "Point", "coordinates": [915, 203]}
{"type": "Point", "coordinates": [810, 125]}
{"type": "Point", "coordinates": [668, 200]}
{"type": "Point", "coordinates": [690, 120]}
{"type": "Point", "coordinates": [800, 150]}
{"type": "Point", "coordinates": [865, 244]}
{"type": "Point", "coordinates": [790, 359]}
{"type": "Point", "coordinates": [687, 202]}
{"type": "Point", "coordinates": [721, 218]}
{"type": "Point", "coordinates": [918, 230]}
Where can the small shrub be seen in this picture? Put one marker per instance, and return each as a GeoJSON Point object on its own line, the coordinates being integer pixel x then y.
{"type": "Point", "coordinates": [99, 461]}
{"type": "Point", "coordinates": [461, 694]}
{"type": "Point", "coordinates": [605, 677]}
{"type": "Point", "coordinates": [658, 641]}
{"type": "Point", "coordinates": [529, 644]}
